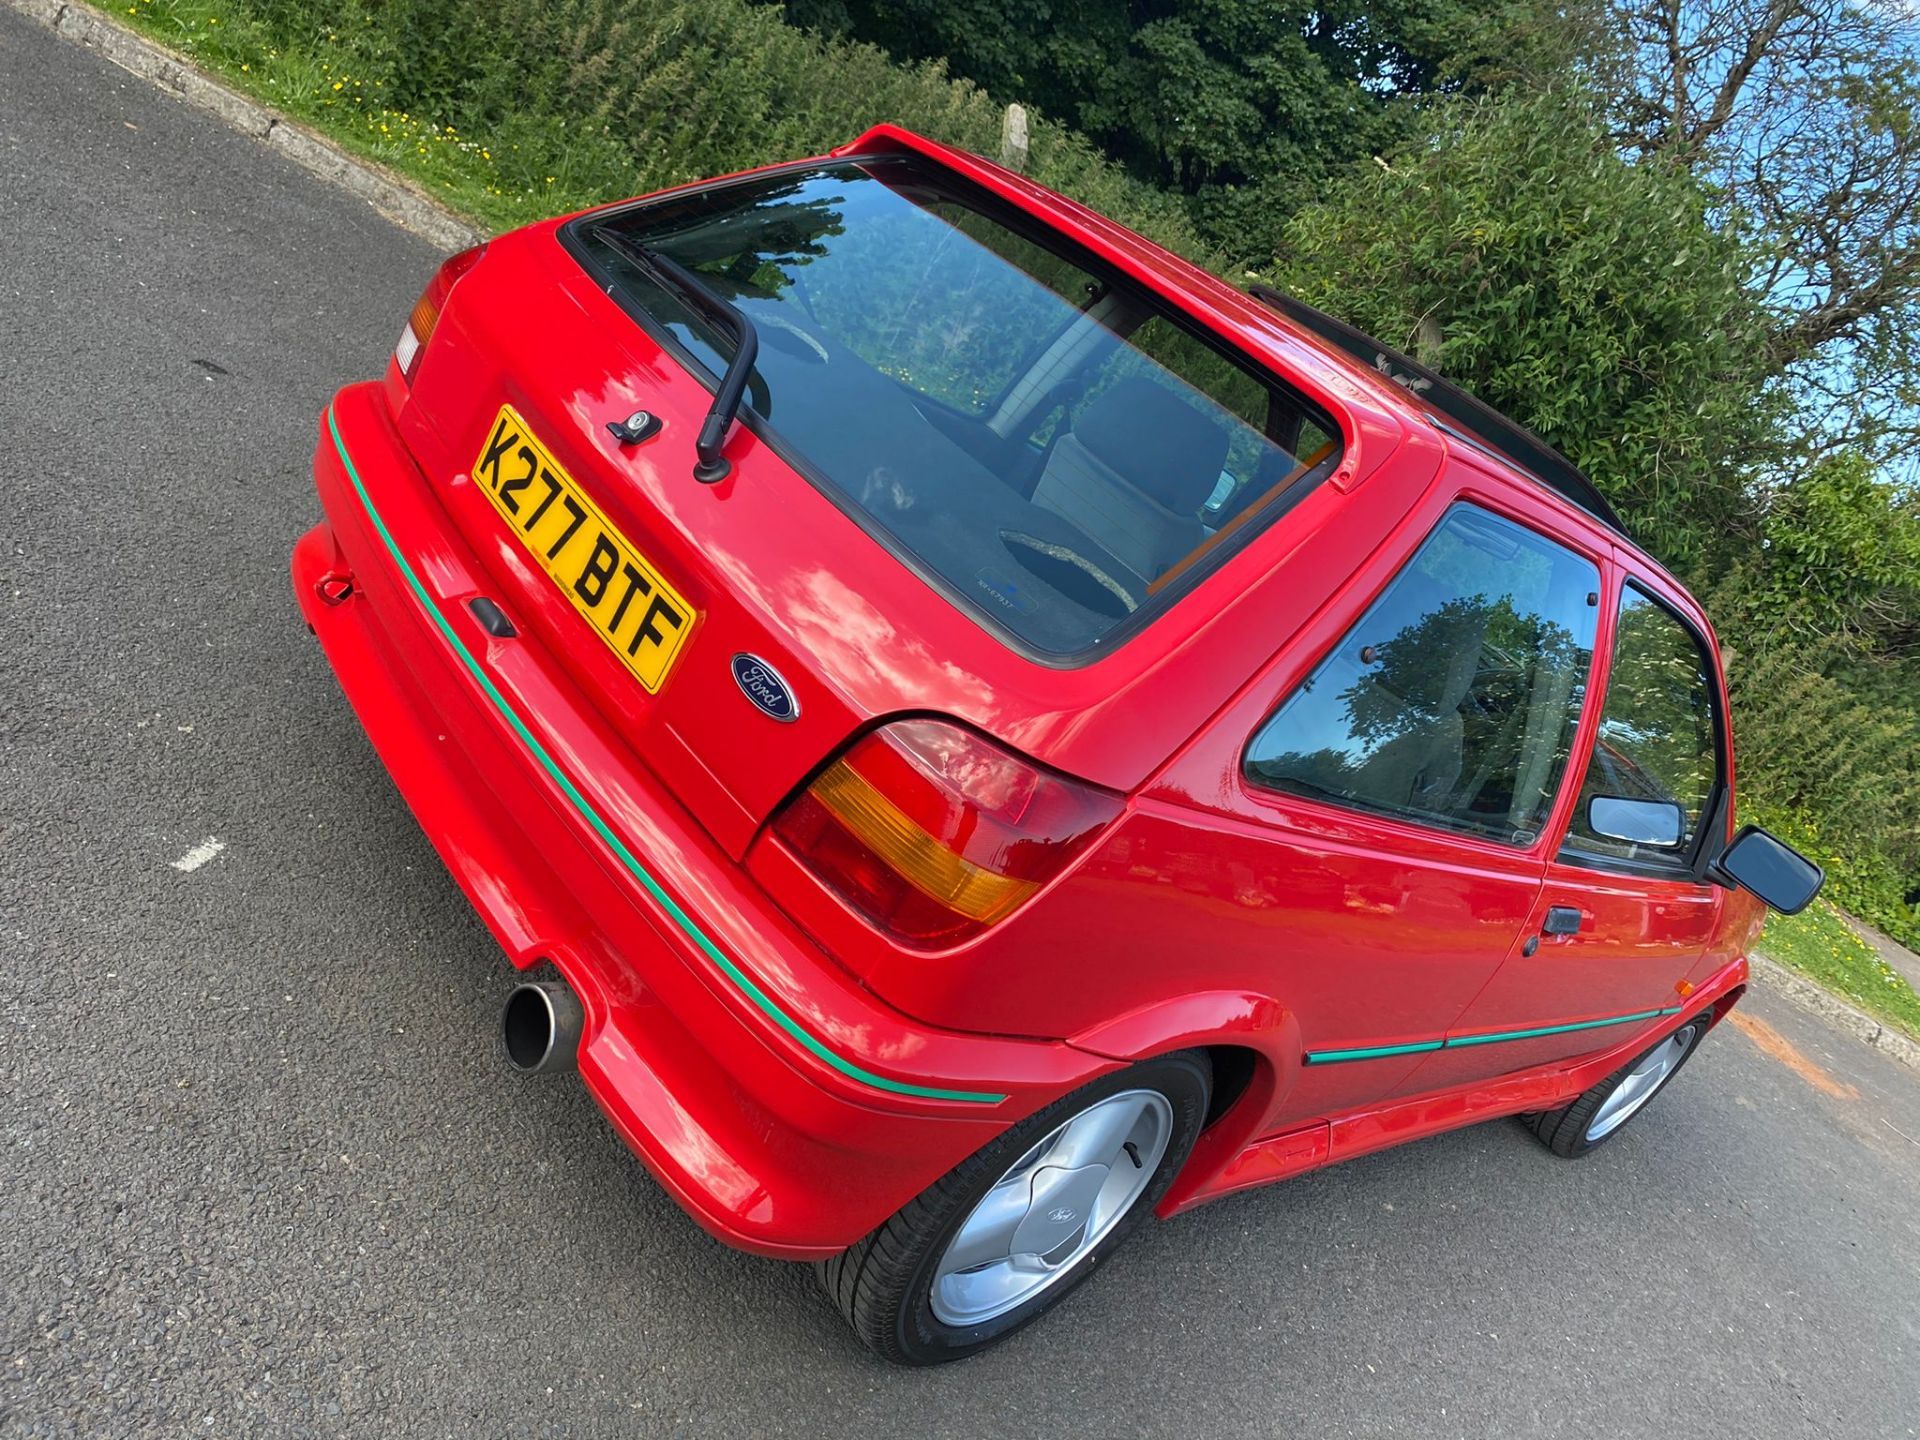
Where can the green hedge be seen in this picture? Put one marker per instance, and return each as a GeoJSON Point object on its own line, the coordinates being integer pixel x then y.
{"type": "Point", "coordinates": [518, 109]}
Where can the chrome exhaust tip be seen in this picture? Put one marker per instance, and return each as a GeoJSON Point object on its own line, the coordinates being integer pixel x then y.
{"type": "Point", "coordinates": [541, 1026]}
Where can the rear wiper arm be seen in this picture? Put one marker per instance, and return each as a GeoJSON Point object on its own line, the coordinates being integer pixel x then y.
{"type": "Point", "coordinates": [670, 273]}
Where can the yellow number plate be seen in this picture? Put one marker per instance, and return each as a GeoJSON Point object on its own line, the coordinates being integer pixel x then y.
{"type": "Point", "coordinates": [643, 619]}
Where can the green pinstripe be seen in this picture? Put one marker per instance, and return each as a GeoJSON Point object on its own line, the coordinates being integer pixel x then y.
{"type": "Point", "coordinates": [1456, 1042]}
{"type": "Point", "coordinates": [740, 979]}
{"type": "Point", "coordinates": [1461, 1042]}
{"type": "Point", "coordinates": [1371, 1052]}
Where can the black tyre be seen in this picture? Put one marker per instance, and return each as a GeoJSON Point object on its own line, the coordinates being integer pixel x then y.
{"type": "Point", "coordinates": [1008, 1233]}
{"type": "Point", "coordinates": [1603, 1112]}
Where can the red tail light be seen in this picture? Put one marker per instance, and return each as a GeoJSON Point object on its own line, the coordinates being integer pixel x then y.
{"type": "Point", "coordinates": [426, 310]}
{"type": "Point", "coordinates": [934, 833]}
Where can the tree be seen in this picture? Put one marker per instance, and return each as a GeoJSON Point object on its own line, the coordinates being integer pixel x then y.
{"type": "Point", "coordinates": [1842, 562]}
{"type": "Point", "coordinates": [1242, 105]}
{"type": "Point", "coordinates": [1804, 116]}
{"type": "Point", "coordinates": [1586, 294]}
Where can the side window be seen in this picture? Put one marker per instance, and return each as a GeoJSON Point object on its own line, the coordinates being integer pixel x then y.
{"type": "Point", "coordinates": [1656, 736]}
{"type": "Point", "coordinates": [1454, 700]}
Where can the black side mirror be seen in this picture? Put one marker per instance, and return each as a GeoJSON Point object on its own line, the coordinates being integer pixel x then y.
{"type": "Point", "coordinates": [1639, 822]}
{"type": "Point", "coordinates": [1771, 869]}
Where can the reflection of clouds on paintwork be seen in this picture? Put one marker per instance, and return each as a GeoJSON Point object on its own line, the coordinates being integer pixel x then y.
{"type": "Point", "coordinates": [850, 641]}
{"type": "Point", "coordinates": [832, 615]}
{"type": "Point", "coordinates": [847, 640]}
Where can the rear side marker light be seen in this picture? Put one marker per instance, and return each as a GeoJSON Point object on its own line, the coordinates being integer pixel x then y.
{"type": "Point", "coordinates": [425, 314]}
{"type": "Point", "coordinates": [933, 833]}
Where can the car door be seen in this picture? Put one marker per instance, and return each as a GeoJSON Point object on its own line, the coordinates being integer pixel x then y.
{"type": "Point", "coordinates": [1401, 793]}
{"type": "Point", "coordinates": [1619, 924]}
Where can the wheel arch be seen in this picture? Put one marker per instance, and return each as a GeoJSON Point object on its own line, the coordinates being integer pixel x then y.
{"type": "Point", "coordinates": [1253, 1041]}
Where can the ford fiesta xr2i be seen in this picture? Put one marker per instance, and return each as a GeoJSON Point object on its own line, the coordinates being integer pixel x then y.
{"type": "Point", "coordinates": [989, 733]}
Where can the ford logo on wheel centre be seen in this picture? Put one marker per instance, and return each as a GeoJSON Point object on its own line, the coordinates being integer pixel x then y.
{"type": "Point", "coordinates": [762, 684]}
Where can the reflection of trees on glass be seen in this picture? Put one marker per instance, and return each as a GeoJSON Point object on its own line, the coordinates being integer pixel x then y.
{"type": "Point", "coordinates": [1450, 702]}
{"type": "Point", "coordinates": [750, 255]}
{"type": "Point", "coordinates": [921, 292]}
{"type": "Point", "coordinates": [1656, 730]}
{"type": "Point", "coordinates": [918, 345]}
{"type": "Point", "coordinates": [756, 252]}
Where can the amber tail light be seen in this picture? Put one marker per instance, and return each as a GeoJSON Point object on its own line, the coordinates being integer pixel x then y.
{"type": "Point", "coordinates": [934, 833]}
{"type": "Point", "coordinates": [426, 310]}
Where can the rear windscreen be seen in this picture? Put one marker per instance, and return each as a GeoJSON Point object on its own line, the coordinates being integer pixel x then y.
{"type": "Point", "coordinates": [1052, 447]}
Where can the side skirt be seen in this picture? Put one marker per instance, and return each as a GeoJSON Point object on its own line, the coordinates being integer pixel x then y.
{"type": "Point", "coordinates": [1382, 1125]}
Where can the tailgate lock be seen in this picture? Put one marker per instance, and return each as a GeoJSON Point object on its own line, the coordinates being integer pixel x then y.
{"type": "Point", "coordinates": [640, 425]}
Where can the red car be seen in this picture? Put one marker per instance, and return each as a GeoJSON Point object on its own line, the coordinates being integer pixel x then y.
{"type": "Point", "coordinates": [992, 732]}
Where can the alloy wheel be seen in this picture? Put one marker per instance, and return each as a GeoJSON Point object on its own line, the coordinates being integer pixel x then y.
{"type": "Point", "coordinates": [1642, 1082]}
{"type": "Point", "coordinates": [1052, 1207]}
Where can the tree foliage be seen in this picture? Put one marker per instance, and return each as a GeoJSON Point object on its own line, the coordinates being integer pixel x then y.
{"type": "Point", "coordinates": [1583, 293]}
{"type": "Point", "coordinates": [1241, 104]}
{"type": "Point", "coordinates": [1735, 379]}
{"type": "Point", "coordinates": [1822, 621]}
{"type": "Point", "coordinates": [626, 96]}
{"type": "Point", "coordinates": [1840, 559]}
{"type": "Point", "coordinates": [1804, 115]}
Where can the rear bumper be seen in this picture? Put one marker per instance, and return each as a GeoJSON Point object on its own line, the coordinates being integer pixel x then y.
{"type": "Point", "coordinates": [786, 1108]}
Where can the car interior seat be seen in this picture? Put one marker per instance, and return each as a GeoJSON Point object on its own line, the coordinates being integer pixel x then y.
{"type": "Point", "coordinates": [1133, 472]}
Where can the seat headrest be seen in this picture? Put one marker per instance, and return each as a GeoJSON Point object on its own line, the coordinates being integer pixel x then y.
{"type": "Point", "coordinates": [1156, 441]}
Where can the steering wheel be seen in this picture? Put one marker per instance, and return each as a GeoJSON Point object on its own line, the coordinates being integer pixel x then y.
{"type": "Point", "coordinates": [1073, 561]}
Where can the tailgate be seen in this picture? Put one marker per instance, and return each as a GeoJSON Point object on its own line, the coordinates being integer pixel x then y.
{"type": "Point", "coordinates": [509, 412]}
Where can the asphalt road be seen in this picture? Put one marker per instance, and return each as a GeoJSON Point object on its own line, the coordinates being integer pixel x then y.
{"type": "Point", "coordinates": [261, 1172]}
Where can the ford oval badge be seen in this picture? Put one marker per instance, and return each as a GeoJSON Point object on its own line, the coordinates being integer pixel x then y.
{"type": "Point", "coordinates": [761, 684]}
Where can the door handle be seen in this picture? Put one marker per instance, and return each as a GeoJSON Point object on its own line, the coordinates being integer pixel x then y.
{"type": "Point", "coordinates": [1562, 920]}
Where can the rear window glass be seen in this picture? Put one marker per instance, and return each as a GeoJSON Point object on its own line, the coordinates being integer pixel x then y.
{"type": "Point", "coordinates": [1036, 435]}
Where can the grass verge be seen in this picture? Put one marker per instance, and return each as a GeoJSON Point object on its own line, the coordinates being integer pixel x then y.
{"type": "Point", "coordinates": [499, 180]}
{"type": "Point", "coordinates": [1820, 944]}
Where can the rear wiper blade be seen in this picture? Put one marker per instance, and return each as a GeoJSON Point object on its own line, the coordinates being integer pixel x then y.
{"type": "Point", "coordinates": [670, 273]}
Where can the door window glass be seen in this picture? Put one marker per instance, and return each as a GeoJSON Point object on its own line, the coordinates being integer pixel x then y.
{"type": "Point", "coordinates": [1656, 736]}
{"type": "Point", "coordinates": [1455, 698]}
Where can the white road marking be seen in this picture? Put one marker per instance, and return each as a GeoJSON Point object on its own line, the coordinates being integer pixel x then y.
{"type": "Point", "coordinates": [200, 854]}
